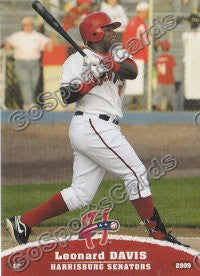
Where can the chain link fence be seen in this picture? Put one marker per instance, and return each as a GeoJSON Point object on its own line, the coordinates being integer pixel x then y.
{"type": "Point", "coordinates": [13, 97]}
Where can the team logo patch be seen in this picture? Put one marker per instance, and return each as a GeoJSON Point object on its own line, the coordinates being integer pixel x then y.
{"type": "Point", "coordinates": [90, 228]}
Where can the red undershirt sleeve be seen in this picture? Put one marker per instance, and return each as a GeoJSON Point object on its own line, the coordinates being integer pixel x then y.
{"type": "Point", "coordinates": [86, 87]}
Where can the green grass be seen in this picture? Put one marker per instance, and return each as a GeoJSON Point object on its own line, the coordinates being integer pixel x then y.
{"type": "Point", "coordinates": [178, 202]}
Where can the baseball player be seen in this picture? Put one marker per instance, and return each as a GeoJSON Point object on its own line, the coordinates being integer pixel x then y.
{"type": "Point", "coordinates": [95, 133]}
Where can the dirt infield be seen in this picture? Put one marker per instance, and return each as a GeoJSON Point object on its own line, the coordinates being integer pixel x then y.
{"type": "Point", "coordinates": [42, 153]}
{"type": "Point", "coordinates": [190, 236]}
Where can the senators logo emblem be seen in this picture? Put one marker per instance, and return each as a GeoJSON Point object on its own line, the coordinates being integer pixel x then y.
{"type": "Point", "coordinates": [90, 227]}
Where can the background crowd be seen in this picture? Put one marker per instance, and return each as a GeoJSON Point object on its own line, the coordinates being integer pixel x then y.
{"type": "Point", "coordinates": [29, 44]}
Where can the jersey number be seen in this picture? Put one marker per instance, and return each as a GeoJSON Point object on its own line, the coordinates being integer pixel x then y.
{"type": "Point", "coordinates": [162, 68]}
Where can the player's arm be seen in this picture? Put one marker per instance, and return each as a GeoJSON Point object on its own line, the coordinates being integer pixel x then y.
{"type": "Point", "coordinates": [127, 70]}
{"type": "Point", "coordinates": [91, 75]}
{"type": "Point", "coordinates": [67, 96]}
{"type": "Point", "coordinates": [72, 93]}
{"type": "Point", "coordinates": [77, 83]}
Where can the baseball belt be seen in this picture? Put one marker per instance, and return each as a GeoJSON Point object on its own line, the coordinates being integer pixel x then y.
{"type": "Point", "coordinates": [101, 116]}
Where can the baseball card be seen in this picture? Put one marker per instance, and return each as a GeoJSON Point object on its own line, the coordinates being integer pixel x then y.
{"type": "Point", "coordinates": [100, 152]}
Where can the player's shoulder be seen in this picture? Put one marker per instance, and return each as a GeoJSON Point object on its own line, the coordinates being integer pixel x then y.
{"type": "Point", "coordinates": [73, 58]}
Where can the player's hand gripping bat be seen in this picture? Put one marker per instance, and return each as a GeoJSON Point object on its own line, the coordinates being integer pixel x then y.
{"type": "Point", "coordinates": [50, 19]}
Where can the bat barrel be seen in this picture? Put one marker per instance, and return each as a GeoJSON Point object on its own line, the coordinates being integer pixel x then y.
{"type": "Point", "coordinates": [50, 19]}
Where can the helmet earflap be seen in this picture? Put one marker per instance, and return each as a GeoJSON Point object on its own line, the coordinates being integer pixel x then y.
{"type": "Point", "coordinates": [98, 35]}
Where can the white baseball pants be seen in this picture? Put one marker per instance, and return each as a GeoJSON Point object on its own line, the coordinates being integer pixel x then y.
{"type": "Point", "coordinates": [99, 146]}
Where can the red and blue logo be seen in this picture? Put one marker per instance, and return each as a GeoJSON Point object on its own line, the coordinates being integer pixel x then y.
{"type": "Point", "coordinates": [90, 228]}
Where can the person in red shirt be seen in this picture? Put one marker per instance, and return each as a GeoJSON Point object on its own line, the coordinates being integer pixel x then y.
{"type": "Point", "coordinates": [135, 38]}
{"type": "Point", "coordinates": [72, 21]}
{"type": "Point", "coordinates": [165, 64]}
{"type": "Point", "coordinates": [75, 15]}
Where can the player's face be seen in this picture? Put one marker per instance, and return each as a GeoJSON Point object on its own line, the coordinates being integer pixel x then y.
{"type": "Point", "coordinates": [109, 38]}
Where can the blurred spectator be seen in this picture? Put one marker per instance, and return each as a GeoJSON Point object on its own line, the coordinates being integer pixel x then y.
{"type": "Point", "coordinates": [116, 12]}
{"type": "Point", "coordinates": [185, 2]}
{"type": "Point", "coordinates": [40, 28]}
{"type": "Point", "coordinates": [95, 6]}
{"type": "Point", "coordinates": [68, 4]}
{"type": "Point", "coordinates": [55, 8]}
{"type": "Point", "coordinates": [165, 90]}
{"type": "Point", "coordinates": [72, 21]}
{"type": "Point", "coordinates": [194, 20]}
{"type": "Point", "coordinates": [75, 15]}
{"type": "Point", "coordinates": [28, 45]}
{"type": "Point", "coordinates": [191, 44]}
{"type": "Point", "coordinates": [135, 28]}
{"type": "Point", "coordinates": [135, 34]}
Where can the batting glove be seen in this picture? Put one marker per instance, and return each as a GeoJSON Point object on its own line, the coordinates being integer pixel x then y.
{"type": "Point", "coordinates": [94, 66]}
{"type": "Point", "coordinates": [118, 53]}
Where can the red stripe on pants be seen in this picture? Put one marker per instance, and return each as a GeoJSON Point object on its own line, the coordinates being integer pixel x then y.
{"type": "Point", "coordinates": [117, 156]}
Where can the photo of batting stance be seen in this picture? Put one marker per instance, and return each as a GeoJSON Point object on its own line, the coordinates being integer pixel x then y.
{"type": "Point", "coordinates": [95, 134]}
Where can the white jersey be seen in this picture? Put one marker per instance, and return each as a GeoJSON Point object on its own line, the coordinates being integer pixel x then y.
{"type": "Point", "coordinates": [104, 99]}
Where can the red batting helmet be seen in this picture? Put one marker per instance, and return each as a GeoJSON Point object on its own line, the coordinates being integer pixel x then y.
{"type": "Point", "coordinates": [91, 26]}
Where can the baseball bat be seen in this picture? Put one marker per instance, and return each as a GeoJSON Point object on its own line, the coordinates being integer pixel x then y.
{"type": "Point", "coordinates": [50, 19]}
